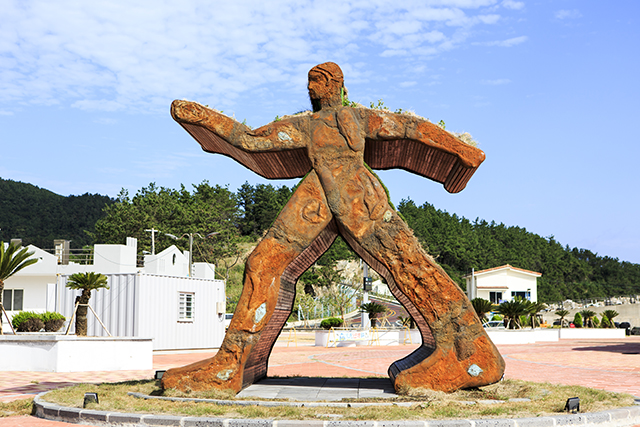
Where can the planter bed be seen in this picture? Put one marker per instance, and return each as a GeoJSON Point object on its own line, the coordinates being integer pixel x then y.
{"type": "Point", "coordinates": [70, 353]}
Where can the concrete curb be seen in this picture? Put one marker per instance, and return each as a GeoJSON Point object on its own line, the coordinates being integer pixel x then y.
{"type": "Point", "coordinates": [616, 417]}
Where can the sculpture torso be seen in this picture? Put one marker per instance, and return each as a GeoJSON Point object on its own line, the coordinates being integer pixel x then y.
{"type": "Point", "coordinates": [336, 152]}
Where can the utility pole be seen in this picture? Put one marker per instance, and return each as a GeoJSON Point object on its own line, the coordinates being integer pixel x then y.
{"type": "Point", "coordinates": [366, 287]}
{"type": "Point", "coordinates": [153, 239]}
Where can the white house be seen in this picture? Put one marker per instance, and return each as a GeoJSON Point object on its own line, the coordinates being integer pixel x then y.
{"type": "Point", "coordinates": [159, 300]}
{"type": "Point", "coordinates": [503, 284]}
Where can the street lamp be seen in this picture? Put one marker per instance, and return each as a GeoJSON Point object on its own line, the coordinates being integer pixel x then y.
{"type": "Point", "coordinates": [190, 245]}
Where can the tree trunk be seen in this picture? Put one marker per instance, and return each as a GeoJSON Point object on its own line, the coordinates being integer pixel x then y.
{"type": "Point", "coordinates": [81, 313]}
{"type": "Point", "coordinates": [1, 305]}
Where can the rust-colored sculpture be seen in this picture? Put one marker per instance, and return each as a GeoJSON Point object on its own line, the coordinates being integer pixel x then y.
{"type": "Point", "coordinates": [339, 195]}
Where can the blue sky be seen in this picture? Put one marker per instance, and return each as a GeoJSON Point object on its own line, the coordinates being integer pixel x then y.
{"type": "Point", "coordinates": [548, 88]}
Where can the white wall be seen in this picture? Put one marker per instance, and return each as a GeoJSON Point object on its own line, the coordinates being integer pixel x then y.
{"type": "Point", "coordinates": [506, 281]}
{"type": "Point", "coordinates": [158, 315]}
{"type": "Point", "coordinates": [114, 259]}
{"type": "Point", "coordinates": [146, 306]}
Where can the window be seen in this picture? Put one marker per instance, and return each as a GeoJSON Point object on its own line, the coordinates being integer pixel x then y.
{"type": "Point", "coordinates": [495, 297]}
{"type": "Point", "coordinates": [12, 299]}
{"type": "Point", "coordinates": [186, 306]}
{"type": "Point", "coordinates": [523, 295]}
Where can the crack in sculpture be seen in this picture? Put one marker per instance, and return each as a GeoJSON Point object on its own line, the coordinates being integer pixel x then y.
{"type": "Point", "coordinates": [339, 195]}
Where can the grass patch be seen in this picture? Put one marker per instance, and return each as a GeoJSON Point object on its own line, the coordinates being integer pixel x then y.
{"type": "Point", "coordinates": [545, 399]}
{"type": "Point", "coordinates": [16, 408]}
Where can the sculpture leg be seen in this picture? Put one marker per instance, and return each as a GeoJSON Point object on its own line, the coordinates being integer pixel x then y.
{"type": "Point", "coordinates": [300, 234]}
{"type": "Point", "coordinates": [456, 352]}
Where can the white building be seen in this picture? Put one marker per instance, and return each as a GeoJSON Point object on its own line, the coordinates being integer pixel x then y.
{"type": "Point", "coordinates": [503, 284]}
{"type": "Point", "coordinates": [157, 300]}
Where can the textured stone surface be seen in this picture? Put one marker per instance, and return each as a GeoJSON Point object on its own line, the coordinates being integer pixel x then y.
{"type": "Point", "coordinates": [339, 195]}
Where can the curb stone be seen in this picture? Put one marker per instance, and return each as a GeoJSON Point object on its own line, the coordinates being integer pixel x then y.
{"type": "Point", "coordinates": [619, 417]}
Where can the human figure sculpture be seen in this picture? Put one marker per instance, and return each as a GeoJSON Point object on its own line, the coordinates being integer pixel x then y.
{"type": "Point", "coordinates": [340, 195]}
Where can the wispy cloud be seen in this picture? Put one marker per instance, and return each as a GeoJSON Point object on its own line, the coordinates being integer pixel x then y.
{"type": "Point", "coordinates": [115, 56]}
{"type": "Point", "coordinates": [505, 43]}
{"type": "Point", "coordinates": [568, 14]}
{"type": "Point", "coordinates": [511, 4]}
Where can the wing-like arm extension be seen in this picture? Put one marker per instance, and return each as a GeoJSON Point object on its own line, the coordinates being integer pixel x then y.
{"type": "Point", "coordinates": [275, 151]}
{"type": "Point", "coordinates": [419, 146]}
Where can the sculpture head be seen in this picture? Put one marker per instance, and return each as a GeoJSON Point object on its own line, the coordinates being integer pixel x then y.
{"type": "Point", "coordinates": [325, 84]}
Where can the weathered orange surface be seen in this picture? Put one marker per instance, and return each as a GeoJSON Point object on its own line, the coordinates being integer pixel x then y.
{"type": "Point", "coordinates": [341, 196]}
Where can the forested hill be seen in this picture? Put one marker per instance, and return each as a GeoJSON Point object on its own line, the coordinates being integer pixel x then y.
{"type": "Point", "coordinates": [38, 216]}
{"type": "Point", "coordinates": [460, 245]}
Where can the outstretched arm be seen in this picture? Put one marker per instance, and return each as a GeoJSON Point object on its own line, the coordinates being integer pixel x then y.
{"type": "Point", "coordinates": [275, 151]}
{"type": "Point", "coordinates": [419, 146]}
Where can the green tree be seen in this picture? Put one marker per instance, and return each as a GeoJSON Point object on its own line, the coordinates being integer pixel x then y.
{"type": "Point", "coordinates": [482, 307]}
{"type": "Point", "coordinates": [534, 309]}
{"type": "Point", "coordinates": [512, 311]}
{"type": "Point", "coordinates": [12, 260]}
{"type": "Point", "coordinates": [562, 314]}
{"type": "Point", "coordinates": [610, 315]}
{"type": "Point", "coordinates": [577, 320]}
{"type": "Point", "coordinates": [260, 205]}
{"type": "Point", "coordinates": [373, 309]}
{"type": "Point", "coordinates": [86, 282]}
{"type": "Point", "coordinates": [207, 209]}
{"type": "Point", "coordinates": [587, 317]}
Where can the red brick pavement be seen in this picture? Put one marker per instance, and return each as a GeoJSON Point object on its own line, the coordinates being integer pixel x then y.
{"type": "Point", "coordinates": [612, 365]}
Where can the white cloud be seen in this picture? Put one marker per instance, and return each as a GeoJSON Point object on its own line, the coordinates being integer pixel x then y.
{"type": "Point", "coordinates": [568, 14]}
{"type": "Point", "coordinates": [137, 55]}
{"type": "Point", "coordinates": [408, 84]}
{"type": "Point", "coordinates": [511, 4]}
{"type": "Point", "coordinates": [505, 43]}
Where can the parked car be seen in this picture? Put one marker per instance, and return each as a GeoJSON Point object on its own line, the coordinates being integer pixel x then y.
{"type": "Point", "coordinates": [626, 326]}
{"type": "Point", "coordinates": [494, 324]}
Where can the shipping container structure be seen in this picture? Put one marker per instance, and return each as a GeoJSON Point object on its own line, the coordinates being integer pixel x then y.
{"type": "Point", "coordinates": [179, 313]}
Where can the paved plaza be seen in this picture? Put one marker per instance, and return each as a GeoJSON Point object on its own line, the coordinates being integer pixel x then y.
{"type": "Point", "coordinates": [612, 365]}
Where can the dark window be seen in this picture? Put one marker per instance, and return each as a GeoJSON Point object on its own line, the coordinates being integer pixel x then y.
{"type": "Point", "coordinates": [12, 299]}
{"type": "Point", "coordinates": [495, 297]}
{"type": "Point", "coordinates": [522, 295]}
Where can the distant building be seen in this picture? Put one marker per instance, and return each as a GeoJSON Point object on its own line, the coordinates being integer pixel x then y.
{"type": "Point", "coordinates": [503, 284]}
{"type": "Point", "coordinates": [157, 300]}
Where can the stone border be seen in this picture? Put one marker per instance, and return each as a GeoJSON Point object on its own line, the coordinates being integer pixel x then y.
{"type": "Point", "coordinates": [616, 417]}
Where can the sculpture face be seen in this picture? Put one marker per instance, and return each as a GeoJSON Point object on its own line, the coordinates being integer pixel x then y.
{"type": "Point", "coordinates": [318, 85]}
{"type": "Point", "coordinates": [325, 82]}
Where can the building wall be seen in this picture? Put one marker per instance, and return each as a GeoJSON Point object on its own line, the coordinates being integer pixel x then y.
{"type": "Point", "coordinates": [505, 281]}
{"type": "Point", "coordinates": [146, 306]}
{"type": "Point", "coordinates": [158, 315]}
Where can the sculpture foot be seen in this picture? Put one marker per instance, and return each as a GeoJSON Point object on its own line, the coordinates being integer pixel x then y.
{"type": "Point", "coordinates": [444, 370]}
{"type": "Point", "coordinates": [222, 372]}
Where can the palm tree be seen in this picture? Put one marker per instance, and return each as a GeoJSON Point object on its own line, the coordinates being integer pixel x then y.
{"type": "Point", "coordinates": [373, 309]}
{"type": "Point", "coordinates": [587, 315]}
{"type": "Point", "coordinates": [512, 310]}
{"type": "Point", "coordinates": [609, 315]}
{"type": "Point", "coordinates": [534, 309]}
{"type": "Point", "coordinates": [482, 307]}
{"type": "Point", "coordinates": [562, 313]}
{"type": "Point", "coordinates": [85, 282]}
{"type": "Point", "coordinates": [12, 260]}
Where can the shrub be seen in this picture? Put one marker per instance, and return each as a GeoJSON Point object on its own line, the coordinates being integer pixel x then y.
{"type": "Point", "coordinates": [52, 321]}
{"type": "Point", "coordinates": [22, 317]}
{"type": "Point", "coordinates": [331, 322]}
{"type": "Point", "coordinates": [596, 322]}
{"type": "Point", "coordinates": [33, 324]}
{"type": "Point", "coordinates": [577, 320]}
